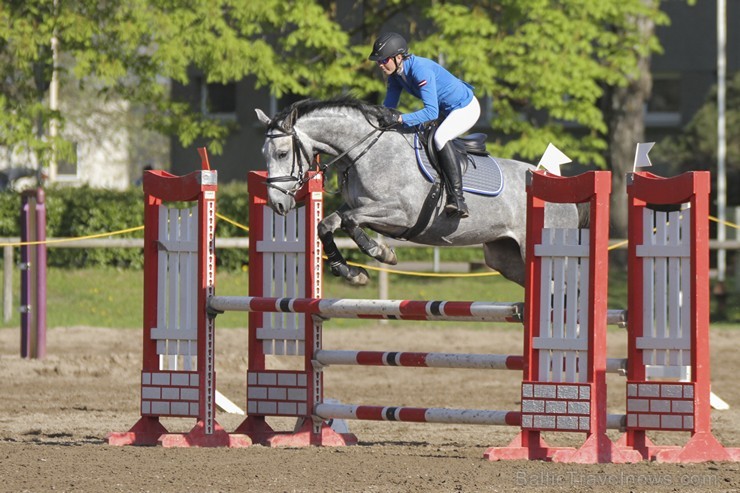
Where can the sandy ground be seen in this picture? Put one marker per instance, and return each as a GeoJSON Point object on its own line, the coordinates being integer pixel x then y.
{"type": "Point", "coordinates": [56, 413]}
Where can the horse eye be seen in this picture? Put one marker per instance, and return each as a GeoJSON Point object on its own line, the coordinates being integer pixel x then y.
{"type": "Point", "coordinates": [282, 155]}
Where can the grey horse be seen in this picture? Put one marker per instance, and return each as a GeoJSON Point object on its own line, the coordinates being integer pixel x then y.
{"type": "Point", "coordinates": [383, 189]}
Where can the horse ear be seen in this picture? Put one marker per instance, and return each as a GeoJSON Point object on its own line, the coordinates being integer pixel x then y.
{"type": "Point", "coordinates": [261, 116]}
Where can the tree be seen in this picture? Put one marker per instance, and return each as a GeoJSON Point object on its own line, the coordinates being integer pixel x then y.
{"type": "Point", "coordinates": [25, 62]}
{"type": "Point", "coordinates": [545, 64]}
{"type": "Point", "coordinates": [542, 63]}
{"type": "Point", "coordinates": [695, 148]}
{"type": "Point", "coordinates": [124, 50]}
{"type": "Point", "coordinates": [624, 105]}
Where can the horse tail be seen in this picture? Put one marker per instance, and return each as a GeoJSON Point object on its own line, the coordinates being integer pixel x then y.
{"type": "Point", "coordinates": [584, 214]}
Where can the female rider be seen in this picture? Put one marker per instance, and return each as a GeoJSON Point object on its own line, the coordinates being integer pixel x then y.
{"type": "Point", "coordinates": [445, 97]}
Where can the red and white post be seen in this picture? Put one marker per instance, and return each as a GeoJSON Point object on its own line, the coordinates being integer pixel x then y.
{"type": "Point", "coordinates": [178, 377]}
{"type": "Point", "coordinates": [668, 311]}
{"type": "Point", "coordinates": [285, 261]}
{"type": "Point", "coordinates": [564, 384]}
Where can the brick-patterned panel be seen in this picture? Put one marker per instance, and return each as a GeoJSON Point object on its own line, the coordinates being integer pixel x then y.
{"type": "Point", "coordinates": [556, 406]}
{"type": "Point", "coordinates": [169, 393]}
{"type": "Point", "coordinates": [277, 393]}
{"type": "Point", "coordinates": [660, 405]}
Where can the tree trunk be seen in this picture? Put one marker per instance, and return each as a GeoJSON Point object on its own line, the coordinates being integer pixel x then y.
{"type": "Point", "coordinates": [625, 116]}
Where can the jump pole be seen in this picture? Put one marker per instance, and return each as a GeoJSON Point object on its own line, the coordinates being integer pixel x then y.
{"type": "Point", "coordinates": [434, 415]}
{"type": "Point", "coordinates": [449, 311]}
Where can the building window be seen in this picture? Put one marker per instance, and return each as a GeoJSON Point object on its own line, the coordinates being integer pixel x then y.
{"type": "Point", "coordinates": [664, 105]}
{"type": "Point", "coordinates": [67, 167]}
{"type": "Point", "coordinates": [217, 99]}
{"type": "Point", "coordinates": [666, 95]}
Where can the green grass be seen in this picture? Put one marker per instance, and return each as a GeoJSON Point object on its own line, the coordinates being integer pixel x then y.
{"type": "Point", "coordinates": [103, 297]}
{"type": "Point", "coordinates": [113, 298]}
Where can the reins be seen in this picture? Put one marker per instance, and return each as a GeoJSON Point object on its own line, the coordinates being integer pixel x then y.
{"type": "Point", "coordinates": [323, 167]}
{"type": "Point", "coordinates": [299, 150]}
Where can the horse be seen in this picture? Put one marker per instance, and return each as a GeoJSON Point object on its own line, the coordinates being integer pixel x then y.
{"type": "Point", "coordinates": [383, 189]}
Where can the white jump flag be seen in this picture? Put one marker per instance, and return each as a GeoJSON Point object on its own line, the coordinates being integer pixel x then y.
{"type": "Point", "coordinates": [226, 405]}
{"type": "Point", "coordinates": [552, 159]}
{"type": "Point", "coordinates": [641, 155]}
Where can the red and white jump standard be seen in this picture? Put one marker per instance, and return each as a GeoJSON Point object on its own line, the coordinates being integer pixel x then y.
{"type": "Point", "coordinates": [285, 262]}
{"type": "Point", "coordinates": [669, 297]}
{"type": "Point", "coordinates": [178, 377]}
{"type": "Point", "coordinates": [564, 324]}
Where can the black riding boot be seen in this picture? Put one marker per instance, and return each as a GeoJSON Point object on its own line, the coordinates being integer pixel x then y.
{"type": "Point", "coordinates": [449, 162]}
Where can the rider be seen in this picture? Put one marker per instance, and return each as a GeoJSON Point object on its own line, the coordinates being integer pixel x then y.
{"type": "Point", "coordinates": [444, 96]}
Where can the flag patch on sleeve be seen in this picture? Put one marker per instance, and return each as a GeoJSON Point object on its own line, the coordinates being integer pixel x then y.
{"type": "Point", "coordinates": [423, 83]}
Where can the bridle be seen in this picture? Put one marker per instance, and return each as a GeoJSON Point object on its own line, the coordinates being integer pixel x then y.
{"type": "Point", "coordinates": [299, 152]}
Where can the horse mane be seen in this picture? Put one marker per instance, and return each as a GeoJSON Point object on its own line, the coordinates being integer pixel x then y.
{"type": "Point", "coordinates": [286, 118]}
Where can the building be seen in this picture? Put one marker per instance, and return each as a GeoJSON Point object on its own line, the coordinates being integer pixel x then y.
{"type": "Point", "coordinates": [686, 71]}
{"type": "Point", "coordinates": [110, 147]}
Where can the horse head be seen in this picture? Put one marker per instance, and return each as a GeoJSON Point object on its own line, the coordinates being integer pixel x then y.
{"type": "Point", "coordinates": [288, 155]}
{"type": "Point", "coordinates": [309, 127]}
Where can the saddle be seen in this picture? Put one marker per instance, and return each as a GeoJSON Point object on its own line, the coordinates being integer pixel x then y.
{"type": "Point", "coordinates": [485, 177]}
{"type": "Point", "coordinates": [474, 144]}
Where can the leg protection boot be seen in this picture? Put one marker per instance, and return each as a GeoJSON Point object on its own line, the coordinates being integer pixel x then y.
{"type": "Point", "coordinates": [449, 161]}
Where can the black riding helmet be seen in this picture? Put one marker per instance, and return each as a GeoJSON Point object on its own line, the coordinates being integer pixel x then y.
{"type": "Point", "coordinates": [388, 45]}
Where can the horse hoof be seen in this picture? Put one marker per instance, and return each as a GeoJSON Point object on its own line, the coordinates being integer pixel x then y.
{"type": "Point", "coordinates": [386, 255]}
{"type": "Point", "coordinates": [390, 257]}
{"type": "Point", "coordinates": [357, 276]}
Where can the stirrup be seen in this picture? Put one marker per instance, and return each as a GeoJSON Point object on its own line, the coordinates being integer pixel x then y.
{"type": "Point", "coordinates": [457, 209]}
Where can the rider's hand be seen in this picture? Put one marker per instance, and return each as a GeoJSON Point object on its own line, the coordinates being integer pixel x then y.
{"type": "Point", "coordinates": [390, 119]}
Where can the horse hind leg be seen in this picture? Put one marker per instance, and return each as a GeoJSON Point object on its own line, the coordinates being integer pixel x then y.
{"type": "Point", "coordinates": [506, 256]}
{"type": "Point", "coordinates": [337, 263]}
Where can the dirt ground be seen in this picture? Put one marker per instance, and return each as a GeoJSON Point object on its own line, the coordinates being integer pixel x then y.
{"type": "Point", "coordinates": [56, 413]}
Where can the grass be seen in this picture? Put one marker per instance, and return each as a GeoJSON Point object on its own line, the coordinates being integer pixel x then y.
{"type": "Point", "coordinates": [113, 298]}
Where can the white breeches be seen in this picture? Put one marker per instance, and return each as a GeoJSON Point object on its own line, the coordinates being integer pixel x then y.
{"type": "Point", "coordinates": [457, 123]}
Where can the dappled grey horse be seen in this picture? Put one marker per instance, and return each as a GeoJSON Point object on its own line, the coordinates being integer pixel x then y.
{"type": "Point", "coordinates": [383, 189]}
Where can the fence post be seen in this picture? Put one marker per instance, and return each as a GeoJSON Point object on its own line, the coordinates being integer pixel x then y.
{"type": "Point", "coordinates": [383, 281]}
{"type": "Point", "coordinates": [735, 255]}
{"type": "Point", "coordinates": [7, 283]}
{"type": "Point", "coordinates": [33, 274]}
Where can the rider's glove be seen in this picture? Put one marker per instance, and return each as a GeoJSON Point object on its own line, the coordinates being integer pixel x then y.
{"type": "Point", "coordinates": [390, 118]}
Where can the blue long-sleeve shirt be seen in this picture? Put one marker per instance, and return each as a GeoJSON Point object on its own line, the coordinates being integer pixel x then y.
{"type": "Point", "coordinates": [440, 91]}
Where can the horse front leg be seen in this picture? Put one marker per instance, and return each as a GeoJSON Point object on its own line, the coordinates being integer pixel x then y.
{"type": "Point", "coordinates": [338, 264]}
{"type": "Point", "coordinates": [380, 252]}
